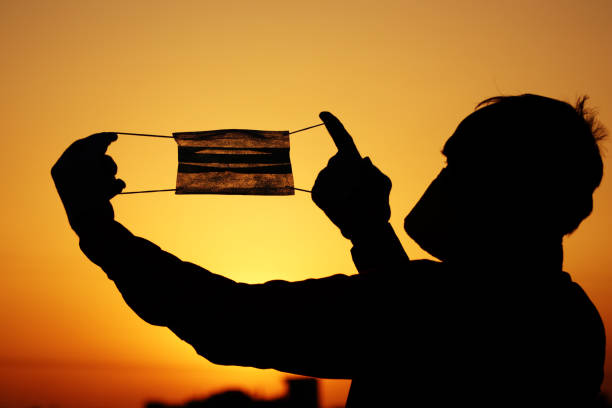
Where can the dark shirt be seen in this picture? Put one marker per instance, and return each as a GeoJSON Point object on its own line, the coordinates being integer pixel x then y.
{"type": "Point", "coordinates": [423, 334]}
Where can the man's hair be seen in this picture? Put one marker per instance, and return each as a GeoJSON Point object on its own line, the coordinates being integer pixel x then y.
{"type": "Point", "coordinates": [542, 148]}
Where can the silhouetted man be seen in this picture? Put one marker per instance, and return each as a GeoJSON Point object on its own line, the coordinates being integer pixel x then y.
{"type": "Point", "coordinates": [496, 323]}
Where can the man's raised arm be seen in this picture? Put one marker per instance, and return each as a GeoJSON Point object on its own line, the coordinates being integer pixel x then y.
{"type": "Point", "coordinates": [273, 325]}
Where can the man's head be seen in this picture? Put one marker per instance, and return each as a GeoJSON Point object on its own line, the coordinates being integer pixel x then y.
{"type": "Point", "coordinates": [518, 168]}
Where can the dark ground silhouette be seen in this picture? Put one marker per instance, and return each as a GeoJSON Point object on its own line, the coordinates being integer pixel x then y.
{"type": "Point", "coordinates": [302, 393]}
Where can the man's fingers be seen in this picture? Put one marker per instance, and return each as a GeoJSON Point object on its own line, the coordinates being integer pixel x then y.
{"type": "Point", "coordinates": [109, 166]}
{"type": "Point", "coordinates": [342, 164]}
{"type": "Point", "coordinates": [118, 185]}
{"type": "Point", "coordinates": [101, 141]}
{"type": "Point", "coordinates": [114, 187]}
{"type": "Point", "coordinates": [95, 144]}
{"type": "Point", "coordinates": [343, 141]}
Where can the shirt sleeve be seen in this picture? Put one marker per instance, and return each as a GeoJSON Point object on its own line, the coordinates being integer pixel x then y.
{"type": "Point", "coordinates": [312, 327]}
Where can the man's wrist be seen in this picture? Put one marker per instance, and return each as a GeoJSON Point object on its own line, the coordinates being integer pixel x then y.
{"type": "Point", "coordinates": [379, 250]}
{"type": "Point", "coordinates": [371, 235]}
{"type": "Point", "coordinates": [90, 218]}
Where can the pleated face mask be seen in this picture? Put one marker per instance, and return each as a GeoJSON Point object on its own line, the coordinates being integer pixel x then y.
{"type": "Point", "coordinates": [234, 161]}
{"type": "Point", "coordinates": [231, 161]}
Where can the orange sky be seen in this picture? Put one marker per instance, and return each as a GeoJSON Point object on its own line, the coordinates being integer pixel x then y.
{"type": "Point", "coordinates": [400, 74]}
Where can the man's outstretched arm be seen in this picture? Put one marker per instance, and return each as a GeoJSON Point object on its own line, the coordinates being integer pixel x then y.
{"type": "Point", "coordinates": [298, 327]}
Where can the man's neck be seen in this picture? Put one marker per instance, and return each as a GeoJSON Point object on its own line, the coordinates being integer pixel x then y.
{"type": "Point", "coordinates": [535, 257]}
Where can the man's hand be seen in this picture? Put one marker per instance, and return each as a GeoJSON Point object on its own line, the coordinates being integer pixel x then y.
{"type": "Point", "coordinates": [84, 177]}
{"type": "Point", "coordinates": [351, 191]}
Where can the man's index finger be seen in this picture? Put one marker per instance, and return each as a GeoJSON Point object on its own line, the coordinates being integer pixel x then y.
{"type": "Point", "coordinates": [342, 139]}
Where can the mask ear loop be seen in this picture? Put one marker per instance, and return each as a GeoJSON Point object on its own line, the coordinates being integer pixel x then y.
{"type": "Point", "coordinates": [172, 137]}
{"type": "Point", "coordinates": [143, 134]}
{"type": "Point", "coordinates": [148, 191]}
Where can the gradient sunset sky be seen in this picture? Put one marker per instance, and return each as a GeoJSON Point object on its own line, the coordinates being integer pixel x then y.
{"type": "Point", "coordinates": [399, 74]}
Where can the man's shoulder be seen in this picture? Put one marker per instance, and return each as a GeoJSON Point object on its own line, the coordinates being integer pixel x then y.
{"type": "Point", "coordinates": [427, 264]}
{"type": "Point", "coordinates": [427, 269]}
